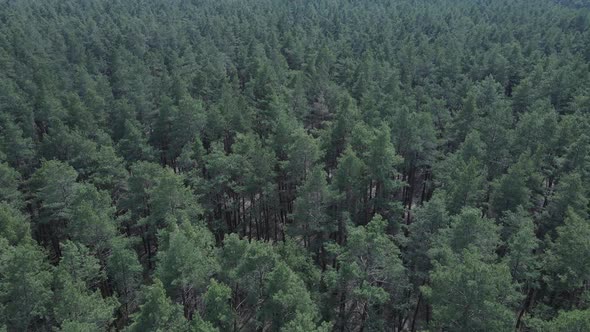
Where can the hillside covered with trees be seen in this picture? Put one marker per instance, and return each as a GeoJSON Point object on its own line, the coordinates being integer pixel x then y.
{"type": "Point", "coordinates": [294, 166]}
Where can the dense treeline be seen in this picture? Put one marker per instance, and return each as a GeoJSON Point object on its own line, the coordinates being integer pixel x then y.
{"type": "Point", "coordinates": [200, 165]}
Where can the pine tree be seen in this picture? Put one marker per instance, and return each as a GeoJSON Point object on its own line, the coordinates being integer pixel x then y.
{"type": "Point", "coordinates": [469, 185]}
{"type": "Point", "coordinates": [286, 297]}
{"type": "Point", "coordinates": [568, 255]}
{"type": "Point", "coordinates": [428, 220]}
{"type": "Point", "coordinates": [381, 162]}
{"type": "Point", "coordinates": [92, 219]}
{"type": "Point", "coordinates": [186, 261]}
{"type": "Point", "coordinates": [574, 320]}
{"type": "Point", "coordinates": [9, 182]}
{"type": "Point", "coordinates": [368, 275]}
{"type": "Point", "coordinates": [472, 295]}
{"type": "Point", "coordinates": [125, 272]}
{"type": "Point", "coordinates": [468, 231]}
{"type": "Point", "coordinates": [311, 221]}
{"type": "Point", "coordinates": [511, 190]}
{"type": "Point", "coordinates": [349, 184]}
{"type": "Point", "coordinates": [14, 226]}
{"type": "Point", "coordinates": [218, 308]}
{"type": "Point", "coordinates": [76, 303]}
{"type": "Point", "coordinates": [55, 189]}
{"type": "Point", "coordinates": [25, 290]}
{"type": "Point", "coordinates": [157, 312]}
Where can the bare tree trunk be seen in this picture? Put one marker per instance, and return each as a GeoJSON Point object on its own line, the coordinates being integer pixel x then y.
{"type": "Point", "coordinates": [415, 315]}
